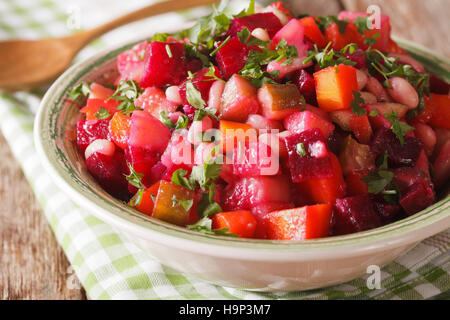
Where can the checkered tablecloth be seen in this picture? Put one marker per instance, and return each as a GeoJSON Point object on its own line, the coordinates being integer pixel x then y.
{"type": "Point", "coordinates": [108, 265]}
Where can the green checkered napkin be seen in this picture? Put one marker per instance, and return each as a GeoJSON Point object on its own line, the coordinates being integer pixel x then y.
{"type": "Point", "coordinates": [108, 265]}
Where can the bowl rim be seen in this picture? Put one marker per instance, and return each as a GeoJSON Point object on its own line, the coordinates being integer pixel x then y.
{"type": "Point", "coordinates": [397, 233]}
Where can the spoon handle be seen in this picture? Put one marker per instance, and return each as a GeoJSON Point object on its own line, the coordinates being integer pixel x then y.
{"type": "Point", "coordinates": [151, 10]}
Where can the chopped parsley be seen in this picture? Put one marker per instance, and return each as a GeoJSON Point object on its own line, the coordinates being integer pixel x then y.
{"type": "Point", "coordinates": [81, 89]}
{"type": "Point", "coordinates": [356, 104]}
{"type": "Point", "coordinates": [329, 57]}
{"type": "Point", "coordinates": [134, 178]}
{"type": "Point", "coordinates": [399, 128]}
{"type": "Point", "coordinates": [324, 22]}
{"type": "Point", "coordinates": [127, 92]}
{"type": "Point", "coordinates": [102, 113]}
{"type": "Point", "coordinates": [186, 204]}
{"type": "Point", "coordinates": [301, 150]}
{"type": "Point", "coordinates": [181, 123]}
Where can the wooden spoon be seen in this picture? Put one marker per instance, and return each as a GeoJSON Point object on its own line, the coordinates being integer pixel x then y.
{"type": "Point", "coordinates": [28, 64]}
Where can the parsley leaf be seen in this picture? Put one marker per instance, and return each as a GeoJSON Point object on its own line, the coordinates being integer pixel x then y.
{"type": "Point", "coordinates": [378, 180]}
{"type": "Point", "coordinates": [400, 128]}
{"type": "Point", "coordinates": [178, 177]}
{"type": "Point", "coordinates": [127, 92]}
{"type": "Point", "coordinates": [181, 123]}
{"type": "Point", "coordinates": [186, 204]}
{"type": "Point", "coordinates": [135, 178]}
{"type": "Point", "coordinates": [324, 22]}
{"type": "Point", "coordinates": [102, 113]}
{"type": "Point", "coordinates": [328, 57]}
{"type": "Point", "coordinates": [204, 226]}
{"type": "Point", "coordinates": [356, 104]}
{"type": "Point", "coordinates": [81, 89]}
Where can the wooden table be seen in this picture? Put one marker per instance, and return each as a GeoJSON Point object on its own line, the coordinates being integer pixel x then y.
{"type": "Point", "coordinates": [32, 264]}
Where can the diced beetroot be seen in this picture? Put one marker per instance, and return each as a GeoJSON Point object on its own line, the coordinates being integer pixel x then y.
{"type": "Point", "coordinates": [359, 56]}
{"type": "Point", "coordinates": [418, 197]}
{"type": "Point", "coordinates": [267, 21]}
{"type": "Point", "coordinates": [336, 140]}
{"type": "Point", "coordinates": [261, 210]}
{"type": "Point", "coordinates": [405, 177]}
{"type": "Point", "coordinates": [142, 160]}
{"type": "Point", "coordinates": [398, 155]}
{"type": "Point", "coordinates": [438, 86]}
{"type": "Point", "coordinates": [178, 151]}
{"type": "Point", "coordinates": [387, 212]}
{"type": "Point", "coordinates": [109, 172]}
{"type": "Point", "coordinates": [90, 130]}
{"type": "Point", "coordinates": [148, 132]}
{"type": "Point", "coordinates": [248, 192]}
{"type": "Point", "coordinates": [231, 58]}
{"type": "Point", "coordinates": [293, 32]}
{"type": "Point", "coordinates": [130, 63]}
{"type": "Point", "coordinates": [153, 100]}
{"type": "Point", "coordinates": [354, 214]}
{"type": "Point", "coordinates": [255, 160]}
{"type": "Point", "coordinates": [307, 86]}
{"type": "Point", "coordinates": [423, 164]}
{"type": "Point", "coordinates": [238, 99]}
{"type": "Point", "coordinates": [442, 166]}
{"type": "Point", "coordinates": [305, 120]}
{"type": "Point", "coordinates": [156, 173]}
{"type": "Point", "coordinates": [164, 64]}
{"type": "Point", "coordinates": [201, 82]}
{"type": "Point", "coordinates": [194, 65]}
{"type": "Point", "coordinates": [315, 161]}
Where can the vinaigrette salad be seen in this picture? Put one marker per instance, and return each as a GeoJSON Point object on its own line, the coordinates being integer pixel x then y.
{"type": "Point", "coordinates": [264, 125]}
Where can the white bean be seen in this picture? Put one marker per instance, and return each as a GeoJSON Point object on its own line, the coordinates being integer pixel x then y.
{"type": "Point", "coordinates": [362, 78]}
{"type": "Point", "coordinates": [403, 92]}
{"type": "Point", "coordinates": [427, 135]}
{"type": "Point", "coordinates": [103, 146]}
{"type": "Point", "coordinates": [369, 98]}
{"type": "Point", "coordinates": [261, 34]}
{"type": "Point", "coordinates": [172, 94]}
{"type": "Point", "coordinates": [215, 94]}
{"type": "Point", "coordinates": [374, 86]}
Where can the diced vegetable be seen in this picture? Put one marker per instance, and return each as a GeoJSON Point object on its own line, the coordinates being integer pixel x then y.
{"type": "Point", "coordinates": [355, 157]}
{"type": "Point", "coordinates": [92, 108]}
{"type": "Point", "coordinates": [238, 99]}
{"type": "Point", "coordinates": [438, 106]}
{"type": "Point", "coordinates": [326, 190]}
{"type": "Point", "coordinates": [239, 222]}
{"type": "Point", "coordinates": [234, 133]}
{"type": "Point", "coordinates": [164, 64]}
{"type": "Point", "coordinates": [119, 129]}
{"type": "Point", "coordinates": [144, 201]}
{"type": "Point", "coordinates": [335, 87]}
{"type": "Point", "coordinates": [305, 120]}
{"type": "Point", "coordinates": [280, 100]}
{"type": "Point", "coordinates": [144, 129]}
{"type": "Point", "coordinates": [266, 21]}
{"type": "Point", "coordinates": [312, 31]}
{"type": "Point", "coordinates": [231, 57]}
{"type": "Point", "coordinates": [309, 222]}
{"type": "Point", "coordinates": [173, 203]}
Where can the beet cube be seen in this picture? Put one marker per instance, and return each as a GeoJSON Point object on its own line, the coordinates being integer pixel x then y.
{"type": "Point", "coordinates": [201, 82]}
{"type": "Point", "coordinates": [387, 212]}
{"type": "Point", "coordinates": [267, 21]}
{"type": "Point", "coordinates": [308, 156]}
{"type": "Point", "coordinates": [164, 64]}
{"type": "Point", "coordinates": [231, 58]}
{"type": "Point", "coordinates": [109, 172]}
{"type": "Point", "coordinates": [418, 197]}
{"type": "Point", "coordinates": [354, 214]}
{"type": "Point", "coordinates": [405, 155]}
{"type": "Point", "coordinates": [90, 130]}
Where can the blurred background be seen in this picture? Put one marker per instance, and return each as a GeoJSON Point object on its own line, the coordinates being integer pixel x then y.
{"type": "Point", "coordinates": [32, 264]}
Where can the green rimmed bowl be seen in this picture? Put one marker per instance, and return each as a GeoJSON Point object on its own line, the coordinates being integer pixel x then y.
{"type": "Point", "coordinates": [260, 265]}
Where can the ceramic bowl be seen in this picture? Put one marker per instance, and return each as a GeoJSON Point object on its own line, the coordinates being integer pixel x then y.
{"type": "Point", "coordinates": [259, 265]}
